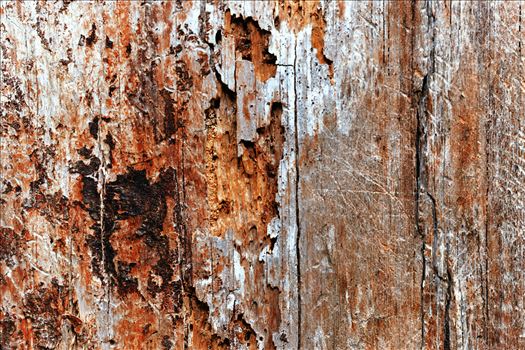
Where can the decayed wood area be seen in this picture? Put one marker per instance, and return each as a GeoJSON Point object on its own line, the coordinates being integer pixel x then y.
{"type": "Point", "coordinates": [262, 175]}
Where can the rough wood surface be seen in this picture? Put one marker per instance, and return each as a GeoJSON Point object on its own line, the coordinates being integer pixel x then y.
{"type": "Point", "coordinates": [262, 175]}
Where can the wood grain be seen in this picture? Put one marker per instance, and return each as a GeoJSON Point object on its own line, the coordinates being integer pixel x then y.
{"type": "Point", "coordinates": [262, 175]}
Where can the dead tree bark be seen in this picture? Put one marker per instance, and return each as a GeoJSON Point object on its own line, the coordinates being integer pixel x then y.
{"type": "Point", "coordinates": [262, 175]}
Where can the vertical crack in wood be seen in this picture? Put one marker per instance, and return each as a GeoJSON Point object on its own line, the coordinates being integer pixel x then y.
{"type": "Point", "coordinates": [417, 218]}
{"type": "Point", "coordinates": [446, 325]}
{"type": "Point", "coordinates": [417, 104]}
{"type": "Point", "coordinates": [421, 97]}
{"type": "Point", "coordinates": [297, 179]}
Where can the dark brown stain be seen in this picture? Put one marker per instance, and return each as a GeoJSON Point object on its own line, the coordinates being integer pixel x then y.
{"type": "Point", "coordinates": [42, 310]}
{"type": "Point", "coordinates": [10, 242]}
{"type": "Point", "coordinates": [130, 196]}
{"type": "Point", "coordinates": [92, 36]}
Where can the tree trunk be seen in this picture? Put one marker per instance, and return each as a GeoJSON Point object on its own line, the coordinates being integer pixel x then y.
{"type": "Point", "coordinates": [262, 175]}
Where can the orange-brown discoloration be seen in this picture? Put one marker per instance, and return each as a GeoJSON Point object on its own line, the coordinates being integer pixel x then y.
{"type": "Point", "coordinates": [251, 43]}
{"type": "Point", "coordinates": [241, 191]}
{"type": "Point", "coordinates": [318, 33]}
{"type": "Point", "coordinates": [298, 15]}
{"type": "Point", "coordinates": [341, 6]}
{"type": "Point", "coordinates": [248, 186]}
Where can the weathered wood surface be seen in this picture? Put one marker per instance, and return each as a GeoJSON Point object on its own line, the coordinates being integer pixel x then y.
{"type": "Point", "coordinates": [259, 175]}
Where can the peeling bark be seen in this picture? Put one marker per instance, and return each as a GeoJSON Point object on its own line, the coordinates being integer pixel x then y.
{"type": "Point", "coordinates": [262, 175]}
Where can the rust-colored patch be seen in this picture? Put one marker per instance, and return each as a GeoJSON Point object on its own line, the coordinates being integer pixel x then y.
{"type": "Point", "coordinates": [318, 31]}
{"type": "Point", "coordinates": [247, 185]}
{"type": "Point", "coordinates": [138, 325]}
{"type": "Point", "coordinates": [299, 14]}
{"type": "Point", "coordinates": [242, 191]}
{"type": "Point", "coordinates": [251, 44]}
{"type": "Point", "coordinates": [341, 7]}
